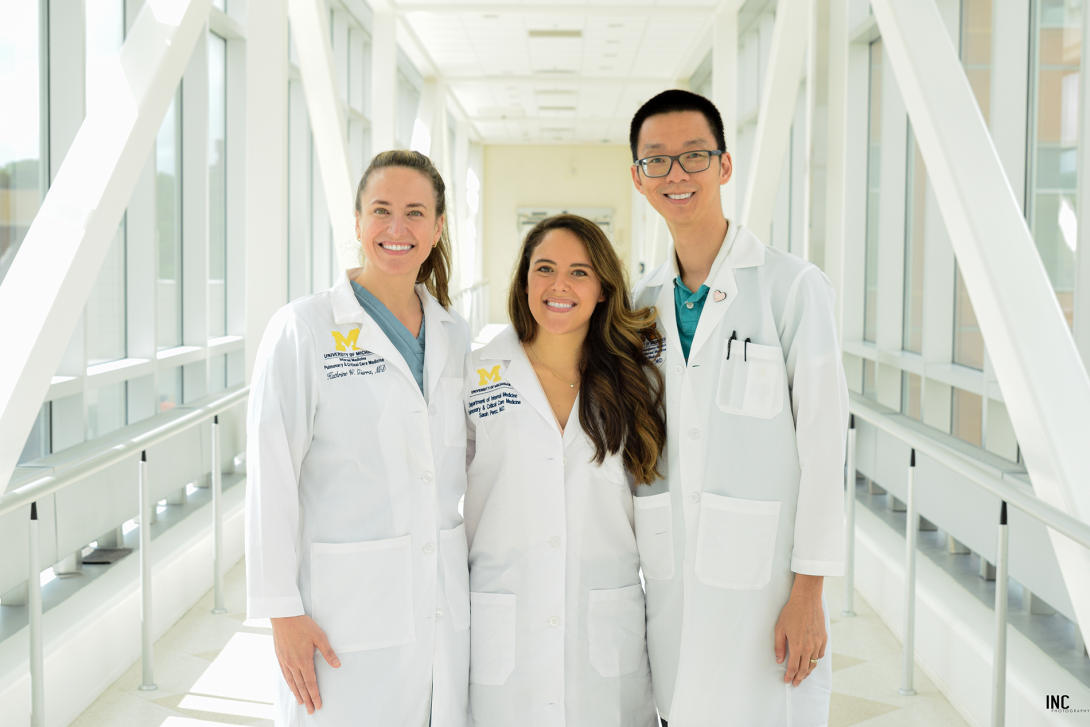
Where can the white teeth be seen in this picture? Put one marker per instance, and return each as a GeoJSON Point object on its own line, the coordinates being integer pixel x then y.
{"type": "Point", "coordinates": [680, 196]}
{"type": "Point", "coordinates": [396, 248]}
{"type": "Point", "coordinates": [562, 306]}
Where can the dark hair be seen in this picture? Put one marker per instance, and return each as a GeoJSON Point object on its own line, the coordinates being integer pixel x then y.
{"type": "Point", "coordinates": [675, 101]}
{"type": "Point", "coordinates": [435, 271]}
{"type": "Point", "coordinates": [621, 391]}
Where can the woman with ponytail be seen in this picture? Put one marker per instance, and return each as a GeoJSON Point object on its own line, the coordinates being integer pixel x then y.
{"type": "Point", "coordinates": [355, 547]}
{"type": "Point", "coordinates": [565, 418]}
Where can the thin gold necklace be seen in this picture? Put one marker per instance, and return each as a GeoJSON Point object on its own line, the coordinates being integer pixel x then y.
{"type": "Point", "coordinates": [569, 383]}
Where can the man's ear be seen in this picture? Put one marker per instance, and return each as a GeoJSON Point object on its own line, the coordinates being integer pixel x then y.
{"type": "Point", "coordinates": [726, 168]}
{"type": "Point", "coordinates": [637, 181]}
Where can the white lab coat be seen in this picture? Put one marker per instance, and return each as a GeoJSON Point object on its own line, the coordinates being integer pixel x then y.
{"type": "Point", "coordinates": [558, 610]}
{"type": "Point", "coordinates": [754, 487]}
{"type": "Point", "coordinates": [352, 508]}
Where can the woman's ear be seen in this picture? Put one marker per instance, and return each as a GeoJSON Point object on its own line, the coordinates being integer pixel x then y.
{"type": "Point", "coordinates": [438, 229]}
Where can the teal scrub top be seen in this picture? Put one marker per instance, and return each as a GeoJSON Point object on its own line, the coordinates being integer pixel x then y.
{"type": "Point", "coordinates": [411, 349]}
{"type": "Point", "coordinates": [687, 307]}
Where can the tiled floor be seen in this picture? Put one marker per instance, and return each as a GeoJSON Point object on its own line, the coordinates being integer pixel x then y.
{"type": "Point", "coordinates": [216, 670]}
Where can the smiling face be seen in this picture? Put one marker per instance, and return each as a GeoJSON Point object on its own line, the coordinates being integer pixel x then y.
{"type": "Point", "coordinates": [397, 225]}
{"type": "Point", "coordinates": [682, 198]}
{"type": "Point", "coordinates": [562, 288]}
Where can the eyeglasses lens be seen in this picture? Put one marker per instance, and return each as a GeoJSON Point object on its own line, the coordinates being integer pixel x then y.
{"type": "Point", "coordinates": [692, 162]}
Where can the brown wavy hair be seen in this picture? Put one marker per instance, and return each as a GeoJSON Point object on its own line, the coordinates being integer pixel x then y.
{"type": "Point", "coordinates": [435, 271]}
{"type": "Point", "coordinates": [621, 391]}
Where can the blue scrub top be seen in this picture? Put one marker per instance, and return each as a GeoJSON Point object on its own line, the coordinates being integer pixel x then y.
{"type": "Point", "coordinates": [411, 349]}
{"type": "Point", "coordinates": [687, 307]}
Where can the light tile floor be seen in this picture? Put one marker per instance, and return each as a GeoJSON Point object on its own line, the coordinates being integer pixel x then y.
{"type": "Point", "coordinates": [217, 670]}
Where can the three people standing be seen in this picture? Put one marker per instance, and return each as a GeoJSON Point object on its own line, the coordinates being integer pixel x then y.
{"type": "Point", "coordinates": [694, 430]}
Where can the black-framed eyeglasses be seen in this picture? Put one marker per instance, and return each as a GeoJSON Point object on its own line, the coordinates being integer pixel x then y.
{"type": "Point", "coordinates": [692, 162]}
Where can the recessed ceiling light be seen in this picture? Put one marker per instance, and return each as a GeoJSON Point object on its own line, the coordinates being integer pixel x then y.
{"type": "Point", "coordinates": [609, 55]}
{"type": "Point", "coordinates": [616, 25]}
{"type": "Point", "coordinates": [612, 42]}
{"type": "Point", "coordinates": [556, 34]}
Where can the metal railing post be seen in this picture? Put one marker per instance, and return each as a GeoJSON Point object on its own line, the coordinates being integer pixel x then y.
{"type": "Point", "coordinates": [34, 605]}
{"type": "Point", "coordinates": [910, 583]}
{"type": "Point", "coordinates": [146, 644]}
{"type": "Point", "coordinates": [217, 519]}
{"type": "Point", "coordinates": [849, 525]}
{"type": "Point", "coordinates": [999, 665]}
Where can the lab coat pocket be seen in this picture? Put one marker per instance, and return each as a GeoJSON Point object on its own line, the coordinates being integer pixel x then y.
{"type": "Point", "coordinates": [455, 552]}
{"type": "Point", "coordinates": [361, 594]}
{"type": "Point", "coordinates": [654, 535]}
{"type": "Point", "coordinates": [454, 431]}
{"type": "Point", "coordinates": [491, 638]}
{"type": "Point", "coordinates": [751, 380]}
{"type": "Point", "coordinates": [615, 630]}
{"type": "Point", "coordinates": [736, 541]}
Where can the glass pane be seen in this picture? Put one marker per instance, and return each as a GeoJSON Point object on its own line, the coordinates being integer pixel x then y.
{"type": "Point", "coordinates": [106, 409]}
{"type": "Point", "coordinates": [217, 186]}
{"type": "Point", "coordinates": [870, 389]}
{"type": "Point", "coordinates": [966, 416]}
{"type": "Point", "coordinates": [38, 442]}
{"type": "Point", "coordinates": [914, 248]}
{"type": "Point", "coordinates": [976, 50]}
{"type": "Point", "coordinates": [170, 388]}
{"type": "Point", "coordinates": [1054, 149]}
{"type": "Point", "coordinates": [910, 395]}
{"type": "Point", "coordinates": [105, 26]}
{"type": "Point", "coordinates": [168, 201]}
{"type": "Point", "coordinates": [408, 98]}
{"type": "Point", "coordinates": [217, 373]}
{"type": "Point", "coordinates": [106, 306]}
{"type": "Point", "coordinates": [20, 194]}
{"type": "Point", "coordinates": [968, 340]}
{"type": "Point", "coordinates": [870, 302]}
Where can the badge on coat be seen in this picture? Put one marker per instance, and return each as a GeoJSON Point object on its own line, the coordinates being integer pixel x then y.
{"type": "Point", "coordinates": [492, 395]}
{"type": "Point", "coordinates": [655, 351]}
{"type": "Point", "coordinates": [349, 360]}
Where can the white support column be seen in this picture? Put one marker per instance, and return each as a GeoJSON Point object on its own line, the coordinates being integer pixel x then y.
{"type": "Point", "coordinates": [266, 140]}
{"type": "Point", "coordinates": [383, 81]}
{"type": "Point", "coordinates": [1082, 254]}
{"type": "Point", "coordinates": [195, 220]}
{"type": "Point", "coordinates": [725, 89]}
{"type": "Point", "coordinates": [778, 97]}
{"type": "Point", "coordinates": [51, 278]}
{"type": "Point", "coordinates": [310, 27]}
{"type": "Point", "coordinates": [1045, 385]}
{"type": "Point", "coordinates": [835, 165]}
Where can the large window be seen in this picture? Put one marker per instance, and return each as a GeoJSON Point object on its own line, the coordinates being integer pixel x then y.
{"type": "Point", "coordinates": [217, 186]}
{"type": "Point", "coordinates": [874, 150]}
{"type": "Point", "coordinates": [168, 228]}
{"type": "Point", "coordinates": [1054, 136]}
{"type": "Point", "coordinates": [20, 178]}
{"type": "Point", "coordinates": [915, 232]}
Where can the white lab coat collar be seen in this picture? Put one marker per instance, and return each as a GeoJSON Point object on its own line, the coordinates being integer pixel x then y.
{"type": "Point", "coordinates": [347, 309]}
{"type": "Point", "coordinates": [520, 373]}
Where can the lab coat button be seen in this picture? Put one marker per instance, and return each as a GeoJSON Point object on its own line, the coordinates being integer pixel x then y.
{"type": "Point", "coordinates": [694, 434]}
{"type": "Point", "coordinates": [565, 460]}
{"type": "Point", "coordinates": [554, 541]}
{"type": "Point", "coordinates": [679, 370]}
{"type": "Point", "coordinates": [433, 410]}
{"type": "Point", "coordinates": [428, 548]}
{"type": "Point", "coordinates": [695, 497]}
{"type": "Point", "coordinates": [554, 621]}
{"type": "Point", "coordinates": [438, 614]}
{"type": "Point", "coordinates": [426, 477]}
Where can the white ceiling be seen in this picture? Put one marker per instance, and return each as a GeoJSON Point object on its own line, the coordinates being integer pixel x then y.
{"type": "Point", "coordinates": [563, 72]}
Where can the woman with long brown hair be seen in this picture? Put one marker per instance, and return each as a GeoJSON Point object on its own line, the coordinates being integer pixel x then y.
{"type": "Point", "coordinates": [565, 417]}
{"type": "Point", "coordinates": [354, 544]}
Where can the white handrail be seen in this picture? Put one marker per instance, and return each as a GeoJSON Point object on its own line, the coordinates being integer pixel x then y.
{"type": "Point", "coordinates": [106, 456]}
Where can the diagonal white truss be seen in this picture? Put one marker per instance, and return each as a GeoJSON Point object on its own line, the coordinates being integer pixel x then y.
{"type": "Point", "coordinates": [1044, 383]}
{"type": "Point", "coordinates": [56, 266]}
{"type": "Point", "coordinates": [310, 26]}
{"type": "Point", "coordinates": [777, 110]}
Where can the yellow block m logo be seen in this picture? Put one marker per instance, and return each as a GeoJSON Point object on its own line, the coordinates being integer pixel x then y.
{"type": "Point", "coordinates": [346, 343]}
{"type": "Point", "coordinates": [486, 375]}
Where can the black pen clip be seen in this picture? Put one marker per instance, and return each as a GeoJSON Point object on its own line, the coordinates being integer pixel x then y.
{"type": "Point", "coordinates": [745, 349]}
{"type": "Point", "coordinates": [733, 337]}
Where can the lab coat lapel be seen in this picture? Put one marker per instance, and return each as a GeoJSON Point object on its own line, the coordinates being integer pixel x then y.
{"type": "Point", "coordinates": [346, 309]}
{"type": "Point", "coordinates": [664, 304]}
{"type": "Point", "coordinates": [436, 344]}
{"type": "Point", "coordinates": [522, 376]}
{"type": "Point", "coordinates": [743, 250]}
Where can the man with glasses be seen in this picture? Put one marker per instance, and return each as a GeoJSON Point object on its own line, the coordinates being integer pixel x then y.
{"type": "Point", "coordinates": [737, 538]}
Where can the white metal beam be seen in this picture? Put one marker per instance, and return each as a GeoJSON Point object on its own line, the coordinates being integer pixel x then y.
{"type": "Point", "coordinates": [1045, 386]}
{"type": "Point", "coordinates": [52, 275]}
{"type": "Point", "coordinates": [777, 109]}
{"type": "Point", "coordinates": [725, 88]}
{"type": "Point", "coordinates": [310, 28]}
{"type": "Point", "coordinates": [607, 11]}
